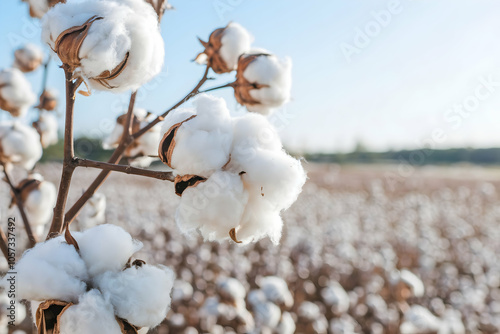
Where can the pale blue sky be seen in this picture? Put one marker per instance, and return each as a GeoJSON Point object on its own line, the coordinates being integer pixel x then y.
{"type": "Point", "coordinates": [395, 89]}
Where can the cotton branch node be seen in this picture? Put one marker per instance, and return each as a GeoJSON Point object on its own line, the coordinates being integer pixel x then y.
{"type": "Point", "coordinates": [113, 45]}
{"type": "Point", "coordinates": [224, 47]}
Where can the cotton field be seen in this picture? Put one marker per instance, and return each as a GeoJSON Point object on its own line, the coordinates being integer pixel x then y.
{"type": "Point", "coordinates": [364, 250]}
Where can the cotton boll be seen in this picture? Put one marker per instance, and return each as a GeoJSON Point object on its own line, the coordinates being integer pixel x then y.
{"type": "Point", "coordinates": [213, 207]}
{"type": "Point", "coordinates": [335, 296]}
{"type": "Point", "coordinates": [16, 95]}
{"type": "Point", "coordinates": [50, 270]}
{"type": "Point", "coordinates": [47, 126]}
{"type": "Point", "coordinates": [287, 324]}
{"type": "Point", "coordinates": [276, 290]}
{"type": "Point", "coordinates": [93, 213]}
{"type": "Point", "coordinates": [181, 291]}
{"type": "Point", "coordinates": [252, 132]}
{"type": "Point", "coordinates": [231, 290]}
{"type": "Point", "coordinates": [267, 314]}
{"type": "Point", "coordinates": [122, 50]}
{"type": "Point", "coordinates": [141, 295]}
{"type": "Point", "coordinates": [224, 47]}
{"type": "Point", "coordinates": [39, 199]}
{"type": "Point", "coordinates": [418, 319]}
{"type": "Point", "coordinates": [263, 82]}
{"type": "Point", "coordinates": [259, 221]}
{"type": "Point", "coordinates": [92, 314]}
{"type": "Point", "coordinates": [201, 144]}
{"type": "Point", "coordinates": [413, 281]}
{"type": "Point", "coordinates": [19, 145]}
{"type": "Point", "coordinates": [28, 57]}
{"type": "Point", "coordinates": [48, 100]}
{"type": "Point", "coordinates": [106, 248]}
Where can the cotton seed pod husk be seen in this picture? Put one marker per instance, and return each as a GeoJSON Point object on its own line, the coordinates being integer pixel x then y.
{"type": "Point", "coordinates": [126, 327]}
{"type": "Point", "coordinates": [183, 182]}
{"type": "Point", "coordinates": [68, 44]}
{"type": "Point", "coordinates": [48, 101]}
{"type": "Point", "coordinates": [48, 315]}
{"type": "Point", "coordinates": [24, 65]}
{"type": "Point", "coordinates": [212, 51]}
{"type": "Point", "coordinates": [242, 86]}
{"type": "Point", "coordinates": [167, 144]}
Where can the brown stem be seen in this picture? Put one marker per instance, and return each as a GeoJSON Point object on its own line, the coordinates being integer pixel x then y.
{"type": "Point", "coordinates": [194, 92]}
{"type": "Point", "coordinates": [231, 84]}
{"type": "Point", "coordinates": [165, 176]}
{"type": "Point", "coordinates": [122, 146]}
{"type": "Point", "coordinates": [19, 202]}
{"type": "Point", "coordinates": [45, 75]}
{"type": "Point", "coordinates": [68, 167]}
{"type": "Point", "coordinates": [115, 158]}
{"type": "Point", "coordinates": [3, 245]}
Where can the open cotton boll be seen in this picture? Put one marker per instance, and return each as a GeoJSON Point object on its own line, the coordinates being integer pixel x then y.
{"type": "Point", "coordinates": [267, 314]}
{"type": "Point", "coordinates": [16, 95]}
{"type": "Point", "coordinates": [253, 131]}
{"type": "Point", "coordinates": [336, 297]}
{"type": "Point", "coordinates": [106, 248]}
{"type": "Point", "coordinates": [50, 270]}
{"type": "Point", "coordinates": [92, 314]}
{"type": "Point", "coordinates": [224, 47]}
{"type": "Point", "coordinates": [263, 82]}
{"type": "Point", "coordinates": [19, 145]}
{"type": "Point", "coordinates": [413, 281]}
{"type": "Point", "coordinates": [48, 100]}
{"type": "Point", "coordinates": [28, 57]}
{"type": "Point", "coordinates": [230, 289]}
{"type": "Point", "coordinates": [121, 45]}
{"type": "Point", "coordinates": [276, 290]}
{"type": "Point", "coordinates": [93, 213]}
{"type": "Point", "coordinates": [287, 324]}
{"type": "Point", "coordinates": [141, 295]}
{"type": "Point", "coordinates": [200, 145]}
{"type": "Point", "coordinates": [39, 199]}
{"type": "Point", "coordinates": [418, 319]}
{"type": "Point", "coordinates": [47, 126]}
{"type": "Point", "coordinates": [213, 207]}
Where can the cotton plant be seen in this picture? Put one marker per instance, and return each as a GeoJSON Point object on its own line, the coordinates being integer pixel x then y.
{"type": "Point", "coordinates": [16, 96]}
{"type": "Point", "coordinates": [94, 284]}
{"type": "Point", "coordinates": [226, 162]}
{"type": "Point", "coordinates": [145, 149]}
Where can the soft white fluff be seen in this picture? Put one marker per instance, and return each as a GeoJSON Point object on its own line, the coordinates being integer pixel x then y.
{"type": "Point", "coordinates": [40, 203]}
{"type": "Point", "coordinates": [93, 213]}
{"type": "Point", "coordinates": [139, 295]}
{"type": "Point", "coordinates": [127, 26]}
{"type": "Point", "coordinates": [235, 41]}
{"type": "Point", "coordinates": [92, 314]}
{"type": "Point", "coordinates": [48, 126]}
{"type": "Point", "coordinates": [274, 72]}
{"type": "Point", "coordinates": [16, 91]}
{"type": "Point", "coordinates": [20, 144]}
{"type": "Point", "coordinates": [51, 270]}
{"type": "Point", "coordinates": [202, 144]}
{"type": "Point", "coordinates": [204, 208]}
{"type": "Point", "coordinates": [276, 290]}
{"type": "Point", "coordinates": [28, 54]}
{"type": "Point", "coordinates": [106, 248]}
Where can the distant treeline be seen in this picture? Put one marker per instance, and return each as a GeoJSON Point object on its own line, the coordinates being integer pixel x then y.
{"type": "Point", "coordinates": [86, 148]}
{"type": "Point", "coordinates": [483, 156]}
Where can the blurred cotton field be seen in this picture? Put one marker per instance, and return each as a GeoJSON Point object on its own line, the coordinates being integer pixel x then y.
{"type": "Point", "coordinates": [363, 251]}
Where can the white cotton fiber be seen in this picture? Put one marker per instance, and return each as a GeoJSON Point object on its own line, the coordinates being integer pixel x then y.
{"type": "Point", "coordinates": [48, 125]}
{"type": "Point", "coordinates": [92, 314]}
{"type": "Point", "coordinates": [251, 132]}
{"type": "Point", "coordinates": [50, 270]}
{"type": "Point", "coordinates": [141, 295]}
{"type": "Point", "coordinates": [16, 95]}
{"type": "Point", "coordinates": [128, 26]}
{"type": "Point", "coordinates": [205, 208]}
{"type": "Point", "coordinates": [20, 145]}
{"type": "Point", "coordinates": [276, 74]}
{"type": "Point", "coordinates": [106, 248]}
{"type": "Point", "coordinates": [235, 41]}
{"type": "Point", "coordinates": [202, 144]}
{"type": "Point", "coordinates": [39, 205]}
{"type": "Point", "coordinates": [28, 57]}
{"type": "Point", "coordinates": [276, 290]}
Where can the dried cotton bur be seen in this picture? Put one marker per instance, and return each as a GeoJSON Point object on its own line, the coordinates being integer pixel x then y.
{"type": "Point", "coordinates": [98, 289]}
{"type": "Point", "coordinates": [16, 95]}
{"type": "Point", "coordinates": [38, 198]}
{"type": "Point", "coordinates": [233, 175]}
{"type": "Point", "coordinates": [112, 45]}
{"type": "Point", "coordinates": [144, 149]}
{"type": "Point", "coordinates": [224, 47]}
{"type": "Point", "coordinates": [19, 145]}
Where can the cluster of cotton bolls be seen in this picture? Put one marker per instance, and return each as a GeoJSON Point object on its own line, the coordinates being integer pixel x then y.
{"type": "Point", "coordinates": [223, 162]}
{"type": "Point", "coordinates": [263, 81]}
{"type": "Point", "coordinates": [114, 45]}
{"type": "Point", "coordinates": [144, 149]}
{"type": "Point", "coordinates": [97, 289]}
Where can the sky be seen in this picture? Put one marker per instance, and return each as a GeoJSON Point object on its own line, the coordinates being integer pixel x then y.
{"type": "Point", "coordinates": [390, 74]}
